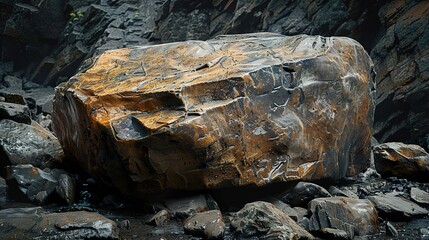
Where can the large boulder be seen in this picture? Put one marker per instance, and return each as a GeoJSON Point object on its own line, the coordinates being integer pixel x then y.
{"type": "Point", "coordinates": [236, 110]}
{"type": "Point", "coordinates": [402, 160]}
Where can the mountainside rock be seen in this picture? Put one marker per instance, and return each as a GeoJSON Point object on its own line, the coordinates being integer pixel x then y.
{"type": "Point", "coordinates": [402, 160]}
{"type": "Point", "coordinates": [233, 111]}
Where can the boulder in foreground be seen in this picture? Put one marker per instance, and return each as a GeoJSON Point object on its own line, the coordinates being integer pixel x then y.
{"type": "Point", "coordinates": [236, 110]}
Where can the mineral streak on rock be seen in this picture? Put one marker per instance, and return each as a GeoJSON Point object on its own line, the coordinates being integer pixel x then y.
{"type": "Point", "coordinates": [236, 110]}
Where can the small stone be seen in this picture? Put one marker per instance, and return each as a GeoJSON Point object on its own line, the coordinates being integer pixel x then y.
{"type": "Point", "coordinates": [419, 196]}
{"type": "Point", "coordinates": [286, 208]}
{"type": "Point", "coordinates": [391, 230]}
{"type": "Point", "coordinates": [303, 193]}
{"type": "Point", "coordinates": [66, 188]}
{"type": "Point", "coordinates": [208, 225]}
{"type": "Point", "coordinates": [263, 219]}
{"type": "Point", "coordinates": [186, 206]}
{"type": "Point", "coordinates": [124, 224]}
{"type": "Point", "coordinates": [12, 97]}
{"type": "Point", "coordinates": [159, 218]}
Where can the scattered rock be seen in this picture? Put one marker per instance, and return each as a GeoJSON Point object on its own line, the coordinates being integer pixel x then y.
{"type": "Point", "coordinates": [159, 218]}
{"type": "Point", "coordinates": [391, 230]}
{"type": "Point", "coordinates": [28, 144]}
{"type": "Point", "coordinates": [124, 224]}
{"type": "Point", "coordinates": [419, 196]}
{"type": "Point", "coordinates": [286, 208]}
{"type": "Point", "coordinates": [39, 186]}
{"type": "Point", "coordinates": [16, 112]}
{"type": "Point", "coordinates": [397, 208]}
{"type": "Point", "coordinates": [357, 217]}
{"type": "Point", "coordinates": [11, 97]}
{"type": "Point", "coordinates": [402, 160]}
{"type": "Point", "coordinates": [263, 219]}
{"type": "Point", "coordinates": [303, 193]}
{"type": "Point", "coordinates": [206, 112]}
{"type": "Point", "coordinates": [208, 225]}
{"type": "Point", "coordinates": [35, 223]}
{"type": "Point", "coordinates": [12, 82]}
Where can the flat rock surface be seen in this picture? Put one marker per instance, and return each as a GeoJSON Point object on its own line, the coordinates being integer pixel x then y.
{"type": "Point", "coordinates": [208, 225]}
{"type": "Point", "coordinates": [232, 111]}
{"type": "Point", "coordinates": [397, 208]}
{"type": "Point", "coordinates": [36, 223]}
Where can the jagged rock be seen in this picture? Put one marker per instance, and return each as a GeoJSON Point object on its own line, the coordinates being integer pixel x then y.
{"type": "Point", "coordinates": [38, 185]}
{"type": "Point", "coordinates": [234, 111]}
{"type": "Point", "coordinates": [183, 207]}
{"type": "Point", "coordinates": [159, 218]}
{"type": "Point", "coordinates": [303, 193]}
{"type": "Point", "coordinates": [12, 82]}
{"type": "Point", "coordinates": [208, 225]}
{"type": "Point", "coordinates": [402, 160]}
{"type": "Point", "coordinates": [263, 219]}
{"type": "Point", "coordinates": [419, 196]}
{"type": "Point", "coordinates": [397, 208]}
{"type": "Point", "coordinates": [357, 217]}
{"type": "Point", "coordinates": [35, 223]}
{"type": "Point", "coordinates": [391, 230]}
{"type": "Point", "coordinates": [286, 208]}
{"type": "Point", "coordinates": [11, 97]}
{"type": "Point", "coordinates": [28, 144]}
{"type": "Point", "coordinates": [16, 112]}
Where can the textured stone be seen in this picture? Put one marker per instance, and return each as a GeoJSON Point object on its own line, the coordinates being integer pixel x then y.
{"type": "Point", "coordinates": [397, 208]}
{"type": "Point", "coordinates": [28, 144]}
{"type": "Point", "coordinates": [159, 218]}
{"type": "Point", "coordinates": [402, 160]}
{"type": "Point", "coordinates": [232, 111]}
{"type": "Point", "coordinates": [208, 225]}
{"type": "Point", "coordinates": [262, 219]}
{"type": "Point", "coordinates": [357, 217]}
{"type": "Point", "coordinates": [12, 82]}
{"type": "Point", "coordinates": [183, 207]}
{"type": "Point", "coordinates": [35, 223]}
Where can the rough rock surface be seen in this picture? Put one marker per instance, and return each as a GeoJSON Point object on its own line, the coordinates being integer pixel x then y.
{"type": "Point", "coordinates": [183, 207]}
{"type": "Point", "coordinates": [232, 111]}
{"type": "Point", "coordinates": [16, 112]}
{"type": "Point", "coordinates": [262, 219]}
{"type": "Point", "coordinates": [28, 144]}
{"type": "Point", "coordinates": [208, 225]}
{"type": "Point", "coordinates": [159, 218]}
{"type": "Point", "coordinates": [397, 208]}
{"type": "Point", "coordinates": [357, 217]}
{"type": "Point", "coordinates": [419, 196]}
{"type": "Point", "coordinates": [35, 223]}
{"type": "Point", "coordinates": [402, 160]}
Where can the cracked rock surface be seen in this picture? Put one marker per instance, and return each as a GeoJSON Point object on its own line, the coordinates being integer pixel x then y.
{"type": "Point", "coordinates": [236, 110]}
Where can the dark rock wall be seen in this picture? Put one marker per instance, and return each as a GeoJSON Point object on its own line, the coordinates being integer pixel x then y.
{"type": "Point", "coordinates": [37, 38]}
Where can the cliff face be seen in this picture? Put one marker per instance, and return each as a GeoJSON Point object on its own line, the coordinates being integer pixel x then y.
{"type": "Point", "coordinates": [48, 41]}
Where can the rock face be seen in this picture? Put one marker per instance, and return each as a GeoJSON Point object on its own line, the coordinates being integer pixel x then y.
{"type": "Point", "coordinates": [262, 219]}
{"type": "Point", "coordinates": [233, 111]}
{"type": "Point", "coordinates": [35, 223]}
{"type": "Point", "coordinates": [357, 217]}
{"type": "Point", "coordinates": [402, 160]}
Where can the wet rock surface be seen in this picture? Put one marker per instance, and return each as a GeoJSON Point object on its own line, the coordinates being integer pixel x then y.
{"type": "Point", "coordinates": [402, 160]}
{"type": "Point", "coordinates": [194, 124]}
{"type": "Point", "coordinates": [303, 193]}
{"type": "Point", "coordinates": [262, 219]}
